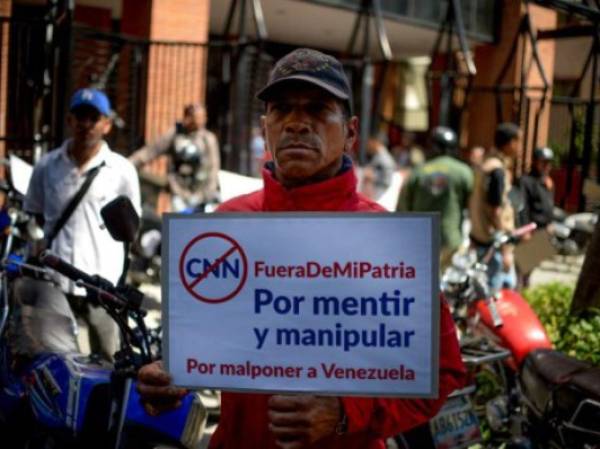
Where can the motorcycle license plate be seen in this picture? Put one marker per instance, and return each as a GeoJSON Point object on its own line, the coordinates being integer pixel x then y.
{"type": "Point", "coordinates": [456, 425]}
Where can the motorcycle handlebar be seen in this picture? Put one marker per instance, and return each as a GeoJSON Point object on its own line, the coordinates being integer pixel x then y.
{"type": "Point", "coordinates": [65, 268]}
{"type": "Point", "coordinates": [126, 296]}
{"type": "Point", "coordinates": [520, 232]}
{"type": "Point", "coordinates": [502, 238]}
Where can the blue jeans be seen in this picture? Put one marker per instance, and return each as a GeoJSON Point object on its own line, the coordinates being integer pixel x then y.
{"type": "Point", "coordinates": [497, 277]}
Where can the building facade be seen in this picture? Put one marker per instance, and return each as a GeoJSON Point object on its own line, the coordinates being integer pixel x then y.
{"type": "Point", "coordinates": [470, 68]}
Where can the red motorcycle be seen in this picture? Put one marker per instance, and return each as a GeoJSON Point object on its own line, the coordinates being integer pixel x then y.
{"type": "Point", "coordinates": [523, 394]}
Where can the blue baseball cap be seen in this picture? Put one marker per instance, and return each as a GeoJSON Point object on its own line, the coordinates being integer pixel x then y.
{"type": "Point", "coordinates": [91, 97]}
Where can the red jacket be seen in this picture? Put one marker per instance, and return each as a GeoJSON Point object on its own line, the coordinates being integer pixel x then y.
{"type": "Point", "coordinates": [244, 424]}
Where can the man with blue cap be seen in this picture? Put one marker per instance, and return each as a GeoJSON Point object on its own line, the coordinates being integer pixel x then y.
{"type": "Point", "coordinates": [83, 166]}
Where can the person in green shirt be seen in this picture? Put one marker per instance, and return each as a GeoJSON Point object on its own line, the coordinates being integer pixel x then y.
{"type": "Point", "coordinates": [443, 184]}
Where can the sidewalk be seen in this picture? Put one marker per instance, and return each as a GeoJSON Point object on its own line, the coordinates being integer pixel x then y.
{"type": "Point", "coordinates": [557, 269]}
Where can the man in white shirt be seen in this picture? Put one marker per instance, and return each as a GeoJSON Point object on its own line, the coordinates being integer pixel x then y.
{"type": "Point", "coordinates": [83, 239]}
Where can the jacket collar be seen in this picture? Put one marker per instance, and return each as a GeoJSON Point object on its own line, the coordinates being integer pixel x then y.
{"type": "Point", "coordinates": [337, 193]}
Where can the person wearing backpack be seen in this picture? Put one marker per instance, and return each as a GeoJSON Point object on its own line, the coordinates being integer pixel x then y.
{"type": "Point", "coordinates": [490, 206]}
{"type": "Point", "coordinates": [193, 160]}
{"type": "Point", "coordinates": [68, 188]}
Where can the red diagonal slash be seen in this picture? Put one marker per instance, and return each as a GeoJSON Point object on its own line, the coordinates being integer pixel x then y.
{"type": "Point", "coordinates": [214, 265]}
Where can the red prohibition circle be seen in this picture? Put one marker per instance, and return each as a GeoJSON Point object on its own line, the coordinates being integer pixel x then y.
{"type": "Point", "coordinates": [235, 248]}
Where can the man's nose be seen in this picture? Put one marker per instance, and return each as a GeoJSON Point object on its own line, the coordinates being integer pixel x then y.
{"type": "Point", "coordinates": [85, 123]}
{"type": "Point", "coordinates": [297, 122]}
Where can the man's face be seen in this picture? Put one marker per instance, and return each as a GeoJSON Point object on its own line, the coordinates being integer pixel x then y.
{"type": "Point", "coordinates": [89, 126]}
{"type": "Point", "coordinates": [195, 119]}
{"type": "Point", "coordinates": [307, 132]}
{"type": "Point", "coordinates": [514, 146]}
{"type": "Point", "coordinates": [543, 166]}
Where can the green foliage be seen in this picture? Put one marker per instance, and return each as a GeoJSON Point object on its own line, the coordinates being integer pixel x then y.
{"type": "Point", "coordinates": [560, 139]}
{"type": "Point", "coordinates": [578, 336]}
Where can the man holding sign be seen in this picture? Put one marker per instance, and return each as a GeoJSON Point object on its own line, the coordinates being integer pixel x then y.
{"type": "Point", "coordinates": [308, 128]}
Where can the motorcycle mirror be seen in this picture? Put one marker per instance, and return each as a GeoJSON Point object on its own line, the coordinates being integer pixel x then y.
{"type": "Point", "coordinates": [121, 219]}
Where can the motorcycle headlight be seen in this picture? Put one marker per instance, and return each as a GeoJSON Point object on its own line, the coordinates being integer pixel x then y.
{"type": "Point", "coordinates": [454, 281]}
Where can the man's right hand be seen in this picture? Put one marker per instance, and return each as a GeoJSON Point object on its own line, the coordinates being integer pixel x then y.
{"type": "Point", "coordinates": [508, 259]}
{"type": "Point", "coordinates": [157, 392]}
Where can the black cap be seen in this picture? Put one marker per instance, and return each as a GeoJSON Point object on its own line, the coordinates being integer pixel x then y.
{"type": "Point", "coordinates": [313, 67]}
{"type": "Point", "coordinates": [543, 153]}
{"type": "Point", "coordinates": [444, 138]}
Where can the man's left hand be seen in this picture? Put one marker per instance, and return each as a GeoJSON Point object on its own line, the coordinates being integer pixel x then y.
{"type": "Point", "coordinates": [299, 421]}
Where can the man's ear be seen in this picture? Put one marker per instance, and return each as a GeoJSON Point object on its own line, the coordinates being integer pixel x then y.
{"type": "Point", "coordinates": [107, 125]}
{"type": "Point", "coordinates": [351, 133]}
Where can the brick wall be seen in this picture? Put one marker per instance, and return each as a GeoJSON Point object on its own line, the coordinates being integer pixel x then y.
{"type": "Point", "coordinates": [490, 59]}
{"type": "Point", "coordinates": [5, 10]}
{"type": "Point", "coordinates": [176, 20]}
{"type": "Point", "coordinates": [176, 74]}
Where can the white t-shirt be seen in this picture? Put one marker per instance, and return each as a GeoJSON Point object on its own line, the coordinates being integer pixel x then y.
{"type": "Point", "coordinates": [83, 241]}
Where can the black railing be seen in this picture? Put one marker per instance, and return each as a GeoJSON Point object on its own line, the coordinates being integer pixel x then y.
{"type": "Point", "coordinates": [31, 76]}
{"type": "Point", "coordinates": [120, 65]}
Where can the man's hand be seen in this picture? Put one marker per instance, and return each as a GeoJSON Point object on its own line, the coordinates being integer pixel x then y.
{"type": "Point", "coordinates": [508, 259]}
{"type": "Point", "coordinates": [154, 386]}
{"type": "Point", "coordinates": [299, 421]}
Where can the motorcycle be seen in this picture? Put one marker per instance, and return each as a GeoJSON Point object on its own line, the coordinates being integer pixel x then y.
{"type": "Point", "coordinates": [524, 395]}
{"type": "Point", "coordinates": [570, 234]}
{"type": "Point", "coordinates": [74, 400]}
{"type": "Point", "coordinates": [146, 268]}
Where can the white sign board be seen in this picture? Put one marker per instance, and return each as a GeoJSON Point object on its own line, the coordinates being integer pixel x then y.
{"type": "Point", "coordinates": [329, 303]}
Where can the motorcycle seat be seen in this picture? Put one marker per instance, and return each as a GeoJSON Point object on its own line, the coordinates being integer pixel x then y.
{"type": "Point", "coordinates": [557, 383]}
{"type": "Point", "coordinates": [588, 381]}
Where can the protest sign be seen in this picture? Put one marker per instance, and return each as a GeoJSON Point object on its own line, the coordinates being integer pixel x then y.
{"type": "Point", "coordinates": [324, 303]}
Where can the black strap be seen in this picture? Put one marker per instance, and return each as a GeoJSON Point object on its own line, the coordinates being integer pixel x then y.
{"type": "Point", "coordinates": [68, 211]}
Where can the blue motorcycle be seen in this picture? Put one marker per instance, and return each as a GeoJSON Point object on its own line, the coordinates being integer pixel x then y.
{"type": "Point", "coordinates": [74, 400]}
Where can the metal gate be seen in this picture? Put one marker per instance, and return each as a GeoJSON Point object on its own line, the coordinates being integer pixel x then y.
{"type": "Point", "coordinates": [117, 65]}
{"type": "Point", "coordinates": [33, 75]}
{"type": "Point", "coordinates": [574, 129]}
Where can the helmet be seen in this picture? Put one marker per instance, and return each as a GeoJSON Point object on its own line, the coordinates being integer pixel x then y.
{"type": "Point", "coordinates": [543, 153]}
{"type": "Point", "coordinates": [443, 139]}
